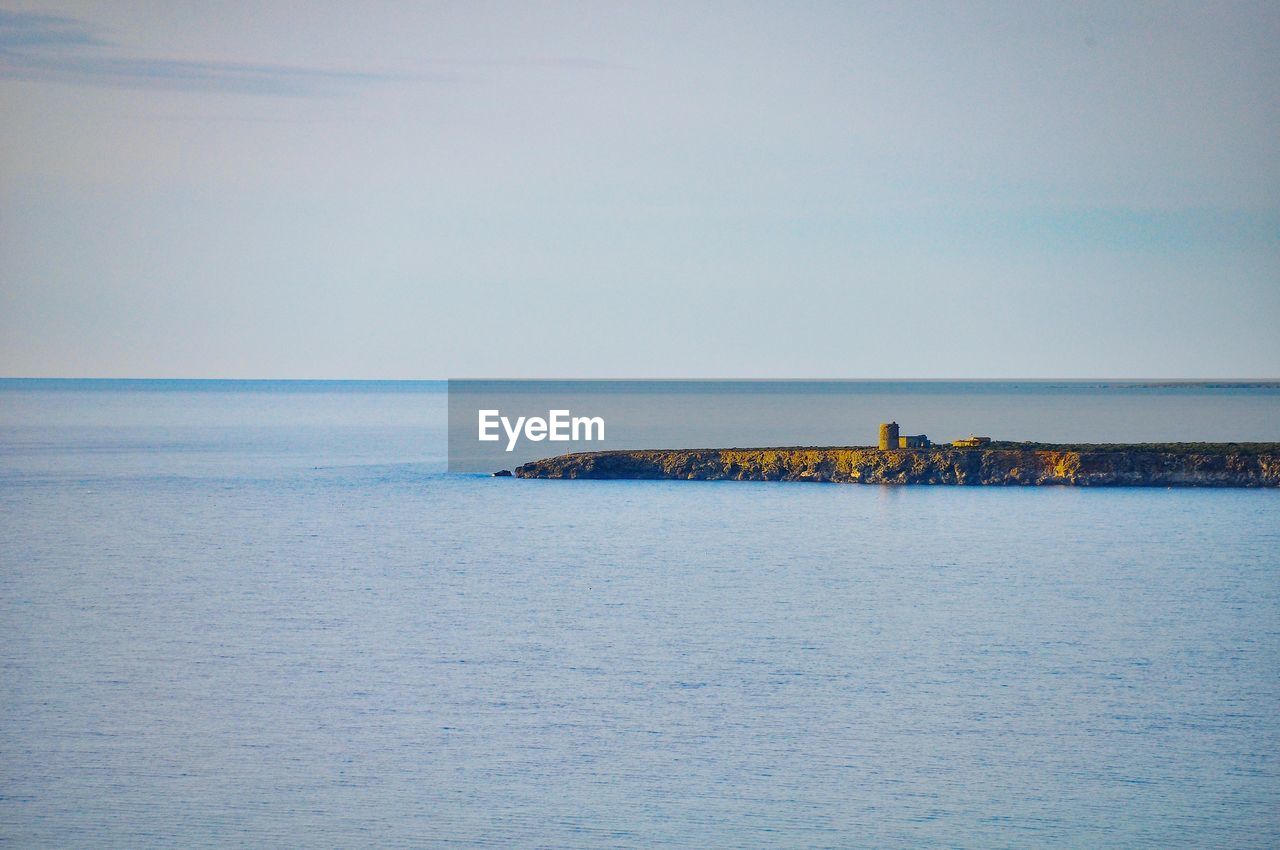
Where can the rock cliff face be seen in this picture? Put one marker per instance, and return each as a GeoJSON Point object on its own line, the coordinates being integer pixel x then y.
{"type": "Point", "coordinates": [1249, 465]}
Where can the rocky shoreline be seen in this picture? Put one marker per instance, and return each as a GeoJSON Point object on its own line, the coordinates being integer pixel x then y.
{"type": "Point", "coordinates": [1104, 465]}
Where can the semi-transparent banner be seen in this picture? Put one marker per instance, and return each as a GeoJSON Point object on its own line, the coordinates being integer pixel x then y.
{"type": "Point", "coordinates": [497, 424]}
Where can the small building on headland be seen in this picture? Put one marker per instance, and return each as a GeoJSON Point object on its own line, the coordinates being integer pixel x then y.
{"type": "Point", "coordinates": [891, 439]}
{"type": "Point", "coordinates": [971, 442]}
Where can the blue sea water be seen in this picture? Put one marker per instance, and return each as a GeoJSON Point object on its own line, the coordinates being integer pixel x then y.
{"type": "Point", "coordinates": [262, 614]}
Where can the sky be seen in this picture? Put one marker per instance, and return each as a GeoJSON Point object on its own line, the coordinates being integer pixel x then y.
{"type": "Point", "coordinates": [756, 190]}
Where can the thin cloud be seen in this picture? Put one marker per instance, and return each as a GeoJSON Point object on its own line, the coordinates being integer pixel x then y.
{"type": "Point", "coordinates": [26, 29]}
{"type": "Point", "coordinates": [231, 77]}
{"type": "Point", "coordinates": [48, 48]}
{"type": "Point", "coordinates": [51, 48]}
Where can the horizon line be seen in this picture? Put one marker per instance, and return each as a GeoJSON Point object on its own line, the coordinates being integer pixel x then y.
{"type": "Point", "coordinates": [1010, 379]}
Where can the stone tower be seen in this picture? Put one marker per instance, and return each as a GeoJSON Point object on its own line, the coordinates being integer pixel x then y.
{"type": "Point", "coordinates": [888, 435]}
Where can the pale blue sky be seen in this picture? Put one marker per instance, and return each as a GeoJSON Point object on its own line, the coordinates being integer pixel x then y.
{"type": "Point", "coordinates": [396, 190]}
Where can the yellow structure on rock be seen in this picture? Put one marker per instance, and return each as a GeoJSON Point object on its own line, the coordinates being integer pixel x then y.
{"type": "Point", "coordinates": [891, 439]}
{"type": "Point", "coordinates": [971, 442]}
{"type": "Point", "coordinates": [888, 435]}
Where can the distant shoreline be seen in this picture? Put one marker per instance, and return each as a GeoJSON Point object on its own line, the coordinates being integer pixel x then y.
{"type": "Point", "coordinates": [1000, 464]}
{"type": "Point", "coordinates": [26, 382]}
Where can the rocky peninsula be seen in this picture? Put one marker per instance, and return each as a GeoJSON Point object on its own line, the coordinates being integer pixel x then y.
{"type": "Point", "coordinates": [993, 463]}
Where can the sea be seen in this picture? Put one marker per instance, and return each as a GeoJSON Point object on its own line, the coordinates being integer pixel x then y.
{"type": "Point", "coordinates": [265, 614]}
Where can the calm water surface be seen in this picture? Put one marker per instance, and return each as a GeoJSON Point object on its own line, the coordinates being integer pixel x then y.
{"type": "Point", "coordinates": [265, 616]}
